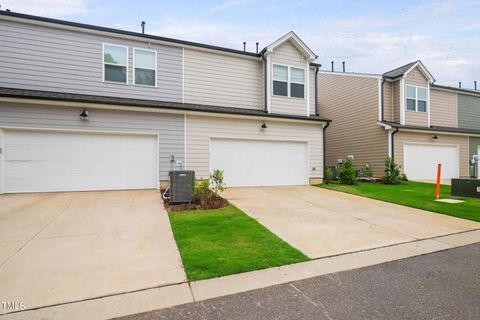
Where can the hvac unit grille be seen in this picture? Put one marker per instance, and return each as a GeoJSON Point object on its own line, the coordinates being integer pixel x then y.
{"type": "Point", "coordinates": [182, 183]}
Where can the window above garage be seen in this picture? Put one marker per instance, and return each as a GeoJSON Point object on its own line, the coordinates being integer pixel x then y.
{"type": "Point", "coordinates": [115, 61]}
{"type": "Point", "coordinates": [416, 98]}
{"type": "Point", "coordinates": [288, 81]}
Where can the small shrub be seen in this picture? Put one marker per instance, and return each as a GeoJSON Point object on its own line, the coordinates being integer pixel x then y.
{"type": "Point", "coordinates": [202, 192]}
{"type": "Point", "coordinates": [216, 178]}
{"type": "Point", "coordinates": [328, 174]}
{"type": "Point", "coordinates": [392, 172]}
{"type": "Point", "coordinates": [347, 174]}
{"type": "Point", "coordinates": [403, 177]}
{"type": "Point", "coordinates": [367, 171]}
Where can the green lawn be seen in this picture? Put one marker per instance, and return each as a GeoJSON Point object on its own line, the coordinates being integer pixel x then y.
{"type": "Point", "coordinates": [414, 194]}
{"type": "Point", "coordinates": [225, 241]}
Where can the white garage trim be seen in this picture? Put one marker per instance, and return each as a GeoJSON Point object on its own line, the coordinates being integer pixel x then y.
{"type": "Point", "coordinates": [2, 167]}
{"type": "Point", "coordinates": [457, 146]}
{"type": "Point", "coordinates": [73, 131]}
{"type": "Point", "coordinates": [264, 140]}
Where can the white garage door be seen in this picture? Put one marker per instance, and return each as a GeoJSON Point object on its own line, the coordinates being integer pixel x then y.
{"type": "Point", "coordinates": [260, 162]}
{"type": "Point", "coordinates": [39, 161]}
{"type": "Point", "coordinates": [420, 161]}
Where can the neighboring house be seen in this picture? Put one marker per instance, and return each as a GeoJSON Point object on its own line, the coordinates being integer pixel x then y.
{"type": "Point", "coordinates": [92, 108]}
{"type": "Point", "coordinates": [402, 114]}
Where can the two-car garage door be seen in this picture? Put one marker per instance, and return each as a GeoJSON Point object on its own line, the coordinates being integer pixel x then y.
{"type": "Point", "coordinates": [40, 161]}
{"type": "Point", "coordinates": [421, 160]}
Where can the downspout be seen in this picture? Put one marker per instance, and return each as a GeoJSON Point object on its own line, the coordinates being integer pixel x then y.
{"type": "Point", "coordinates": [325, 148]}
{"type": "Point", "coordinates": [265, 108]}
{"type": "Point", "coordinates": [382, 102]}
{"type": "Point", "coordinates": [393, 143]}
{"type": "Point", "coordinates": [317, 68]}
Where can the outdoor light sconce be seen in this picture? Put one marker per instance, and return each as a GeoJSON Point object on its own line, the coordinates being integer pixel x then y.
{"type": "Point", "coordinates": [263, 126]}
{"type": "Point", "coordinates": [434, 137]}
{"type": "Point", "coordinates": [84, 114]}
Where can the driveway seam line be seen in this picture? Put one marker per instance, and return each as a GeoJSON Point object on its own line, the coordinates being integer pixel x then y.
{"type": "Point", "coordinates": [67, 206]}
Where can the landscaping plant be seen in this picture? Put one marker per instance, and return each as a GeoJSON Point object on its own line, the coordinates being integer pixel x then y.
{"type": "Point", "coordinates": [367, 171]}
{"type": "Point", "coordinates": [328, 174]}
{"type": "Point", "coordinates": [202, 193]}
{"type": "Point", "coordinates": [347, 174]}
{"type": "Point", "coordinates": [216, 179]}
{"type": "Point", "coordinates": [392, 172]}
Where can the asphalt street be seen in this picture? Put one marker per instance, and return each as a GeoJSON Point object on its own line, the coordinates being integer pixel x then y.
{"type": "Point", "coordinates": [442, 285]}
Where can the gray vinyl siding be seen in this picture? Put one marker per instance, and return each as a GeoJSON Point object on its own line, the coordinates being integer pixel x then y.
{"type": "Point", "coordinates": [474, 143]}
{"type": "Point", "coordinates": [287, 54]}
{"type": "Point", "coordinates": [223, 80]}
{"type": "Point", "coordinates": [468, 112]}
{"type": "Point", "coordinates": [44, 58]}
{"type": "Point", "coordinates": [169, 127]}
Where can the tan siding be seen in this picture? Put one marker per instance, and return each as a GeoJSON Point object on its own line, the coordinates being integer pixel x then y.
{"type": "Point", "coordinates": [388, 101]}
{"type": "Point", "coordinates": [396, 101]}
{"type": "Point", "coordinates": [201, 128]}
{"type": "Point", "coordinates": [416, 118]}
{"type": "Point", "coordinates": [223, 80]}
{"type": "Point", "coordinates": [404, 137]}
{"type": "Point", "coordinates": [443, 108]}
{"type": "Point", "coordinates": [287, 54]}
{"type": "Point", "coordinates": [352, 103]}
{"type": "Point", "coordinates": [416, 77]}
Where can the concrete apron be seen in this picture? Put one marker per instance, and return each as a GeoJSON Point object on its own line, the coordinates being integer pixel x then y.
{"type": "Point", "coordinates": [62, 247]}
{"type": "Point", "coordinates": [168, 296]}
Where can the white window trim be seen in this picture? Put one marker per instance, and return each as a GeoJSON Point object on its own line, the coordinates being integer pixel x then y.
{"type": "Point", "coordinates": [289, 81]}
{"type": "Point", "coordinates": [103, 63]}
{"type": "Point", "coordinates": [156, 68]}
{"type": "Point", "coordinates": [417, 99]}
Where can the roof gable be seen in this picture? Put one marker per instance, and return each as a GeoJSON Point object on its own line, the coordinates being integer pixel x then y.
{"type": "Point", "coordinates": [297, 43]}
{"type": "Point", "coordinates": [404, 70]}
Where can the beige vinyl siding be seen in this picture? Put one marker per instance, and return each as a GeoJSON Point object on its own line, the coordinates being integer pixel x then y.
{"type": "Point", "coordinates": [352, 104]}
{"type": "Point", "coordinates": [312, 90]}
{"type": "Point", "coordinates": [403, 137]}
{"type": "Point", "coordinates": [46, 58]}
{"type": "Point", "coordinates": [396, 101]}
{"type": "Point", "coordinates": [388, 101]}
{"type": "Point", "coordinates": [416, 78]}
{"type": "Point", "coordinates": [288, 54]}
{"type": "Point", "coordinates": [201, 128]}
{"type": "Point", "coordinates": [416, 118]}
{"type": "Point", "coordinates": [223, 80]}
{"type": "Point", "coordinates": [443, 108]}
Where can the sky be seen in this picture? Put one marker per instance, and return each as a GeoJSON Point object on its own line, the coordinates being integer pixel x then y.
{"type": "Point", "coordinates": [371, 36]}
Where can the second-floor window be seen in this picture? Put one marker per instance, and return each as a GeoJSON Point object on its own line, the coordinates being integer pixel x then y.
{"type": "Point", "coordinates": [115, 63]}
{"type": "Point", "coordinates": [288, 81]}
{"type": "Point", "coordinates": [145, 67]}
{"type": "Point", "coordinates": [416, 98]}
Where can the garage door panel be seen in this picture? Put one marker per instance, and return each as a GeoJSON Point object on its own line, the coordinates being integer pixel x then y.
{"type": "Point", "coordinates": [41, 161]}
{"type": "Point", "coordinates": [260, 162]}
{"type": "Point", "coordinates": [420, 161]}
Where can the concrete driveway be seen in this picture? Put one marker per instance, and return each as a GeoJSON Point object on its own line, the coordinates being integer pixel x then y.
{"type": "Point", "coordinates": [322, 222]}
{"type": "Point", "coordinates": [64, 247]}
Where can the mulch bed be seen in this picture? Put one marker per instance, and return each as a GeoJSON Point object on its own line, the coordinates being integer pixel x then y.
{"type": "Point", "coordinates": [214, 203]}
